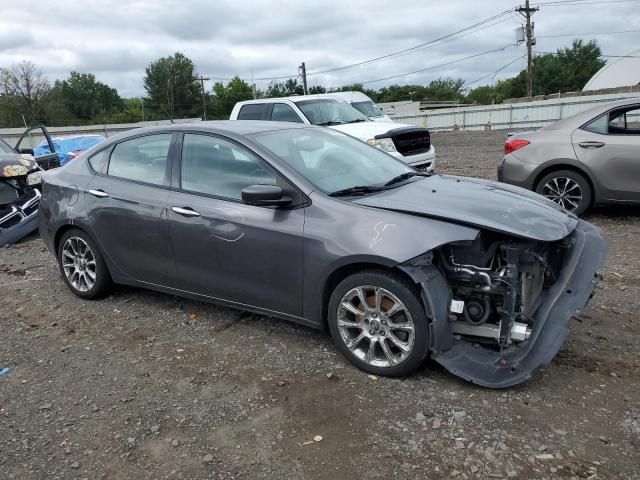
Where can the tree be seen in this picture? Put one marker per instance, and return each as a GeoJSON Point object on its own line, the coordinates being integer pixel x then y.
{"type": "Point", "coordinates": [568, 69]}
{"type": "Point", "coordinates": [225, 97]}
{"type": "Point", "coordinates": [284, 89]}
{"type": "Point", "coordinates": [565, 70]}
{"type": "Point", "coordinates": [87, 99]}
{"type": "Point", "coordinates": [23, 88]}
{"type": "Point", "coordinates": [317, 89]}
{"type": "Point", "coordinates": [170, 83]}
{"type": "Point", "coordinates": [484, 95]}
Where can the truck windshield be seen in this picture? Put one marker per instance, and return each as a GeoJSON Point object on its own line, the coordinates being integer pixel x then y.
{"type": "Point", "coordinates": [368, 108]}
{"type": "Point", "coordinates": [329, 112]}
{"type": "Point", "coordinates": [331, 160]}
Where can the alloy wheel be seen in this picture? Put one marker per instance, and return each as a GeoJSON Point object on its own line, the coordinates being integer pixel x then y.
{"type": "Point", "coordinates": [564, 191]}
{"type": "Point", "coordinates": [375, 326]}
{"type": "Point", "coordinates": [79, 264]}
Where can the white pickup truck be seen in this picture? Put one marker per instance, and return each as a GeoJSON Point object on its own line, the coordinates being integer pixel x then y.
{"type": "Point", "coordinates": [408, 143]}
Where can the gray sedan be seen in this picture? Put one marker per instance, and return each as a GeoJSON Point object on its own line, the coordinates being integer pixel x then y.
{"type": "Point", "coordinates": [313, 226]}
{"type": "Point", "coordinates": [592, 158]}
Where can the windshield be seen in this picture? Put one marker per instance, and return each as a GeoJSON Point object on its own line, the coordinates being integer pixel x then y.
{"type": "Point", "coordinates": [368, 108]}
{"type": "Point", "coordinates": [329, 112]}
{"type": "Point", "coordinates": [331, 160]}
{"type": "Point", "coordinates": [5, 148]}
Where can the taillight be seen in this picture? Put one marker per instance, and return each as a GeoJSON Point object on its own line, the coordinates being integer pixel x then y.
{"type": "Point", "coordinates": [513, 145]}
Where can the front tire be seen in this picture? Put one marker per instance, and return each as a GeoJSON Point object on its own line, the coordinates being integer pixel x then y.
{"type": "Point", "coordinates": [378, 323]}
{"type": "Point", "coordinates": [82, 265]}
{"type": "Point", "coordinates": [567, 188]}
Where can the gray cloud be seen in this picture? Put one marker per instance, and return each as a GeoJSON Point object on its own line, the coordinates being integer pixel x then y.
{"type": "Point", "coordinates": [116, 40]}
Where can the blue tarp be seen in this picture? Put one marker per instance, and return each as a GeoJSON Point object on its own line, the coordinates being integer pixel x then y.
{"type": "Point", "coordinates": [66, 147]}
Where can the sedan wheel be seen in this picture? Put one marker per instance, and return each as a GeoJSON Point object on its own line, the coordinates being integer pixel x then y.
{"type": "Point", "coordinates": [376, 326]}
{"type": "Point", "coordinates": [82, 266]}
{"type": "Point", "coordinates": [563, 191]}
{"type": "Point", "coordinates": [79, 264]}
{"type": "Point", "coordinates": [378, 323]}
{"type": "Point", "coordinates": [568, 189]}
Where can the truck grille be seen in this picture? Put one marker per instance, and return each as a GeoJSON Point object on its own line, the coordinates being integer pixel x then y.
{"type": "Point", "coordinates": [412, 142]}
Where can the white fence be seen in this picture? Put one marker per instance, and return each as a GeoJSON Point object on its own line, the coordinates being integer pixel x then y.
{"type": "Point", "coordinates": [506, 116]}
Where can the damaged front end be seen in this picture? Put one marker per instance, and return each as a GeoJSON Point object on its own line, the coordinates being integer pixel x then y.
{"type": "Point", "coordinates": [499, 306]}
{"type": "Point", "coordinates": [20, 178]}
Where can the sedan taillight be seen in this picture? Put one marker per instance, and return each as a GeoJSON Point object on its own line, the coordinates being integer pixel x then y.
{"type": "Point", "coordinates": [513, 145]}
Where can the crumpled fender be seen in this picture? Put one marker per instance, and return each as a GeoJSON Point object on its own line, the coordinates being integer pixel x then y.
{"type": "Point", "coordinates": [570, 293]}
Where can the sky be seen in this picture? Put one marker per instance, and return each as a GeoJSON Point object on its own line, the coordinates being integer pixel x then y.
{"type": "Point", "coordinates": [255, 39]}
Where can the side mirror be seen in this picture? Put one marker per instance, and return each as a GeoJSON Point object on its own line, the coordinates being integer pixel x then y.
{"type": "Point", "coordinates": [264, 195]}
{"type": "Point", "coordinates": [27, 151]}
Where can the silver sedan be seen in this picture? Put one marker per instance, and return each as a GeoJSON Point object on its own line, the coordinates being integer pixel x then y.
{"type": "Point", "coordinates": [592, 158]}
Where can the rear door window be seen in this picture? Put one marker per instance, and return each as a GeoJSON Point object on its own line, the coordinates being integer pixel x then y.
{"type": "Point", "coordinates": [284, 113]}
{"type": "Point", "coordinates": [255, 111]}
{"type": "Point", "coordinates": [143, 159]}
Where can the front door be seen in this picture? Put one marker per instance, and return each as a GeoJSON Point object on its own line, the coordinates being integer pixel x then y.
{"type": "Point", "coordinates": [126, 204]}
{"type": "Point", "coordinates": [223, 248]}
{"type": "Point", "coordinates": [610, 147]}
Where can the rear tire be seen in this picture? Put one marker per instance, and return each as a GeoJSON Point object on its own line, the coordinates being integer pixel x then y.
{"type": "Point", "coordinates": [82, 265]}
{"type": "Point", "coordinates": [569, 189]}
{"type": "Point", "coordinates": [378, 323]}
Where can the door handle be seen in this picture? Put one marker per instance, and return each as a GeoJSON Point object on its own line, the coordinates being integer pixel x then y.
{"type": "Point", "coordinates": [591, 144]}
{"type": "Point", "coordinates": [185, 212]}
{"type": "Point", "coordinates": [99, 193]}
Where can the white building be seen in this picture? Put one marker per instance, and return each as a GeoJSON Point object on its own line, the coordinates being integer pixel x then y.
{"type": "Point", "coordinates": [621, 72]}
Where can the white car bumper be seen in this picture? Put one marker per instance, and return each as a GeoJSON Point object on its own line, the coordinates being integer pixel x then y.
{"type": "Point", "coordinates": [425, 161]}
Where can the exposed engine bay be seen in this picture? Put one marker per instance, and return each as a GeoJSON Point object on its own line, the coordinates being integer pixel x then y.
{"type": "Point", "coordinates": [20, 178]}
{"type": "Point", "coordinates": [497, 285]}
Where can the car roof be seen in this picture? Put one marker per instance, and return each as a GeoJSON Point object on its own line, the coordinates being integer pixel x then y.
{"type": "Point", "coordinates": [222, 127]}
{"type": "Point", "coordinates": [292, 98]}
{"type": "Point", "coordinates": [351, 96]}
{"type": "Point", "coordinates": [583, 117]}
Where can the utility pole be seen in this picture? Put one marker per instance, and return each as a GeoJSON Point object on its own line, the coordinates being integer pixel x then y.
{"type": "Point", "coordinates": [527, 12]}
{"type": "Point", "coordinates": [204, 98]}
{"type": "Point", "coordinates": [303, 72]}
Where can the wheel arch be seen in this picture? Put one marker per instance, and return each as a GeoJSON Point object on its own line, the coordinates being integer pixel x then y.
{"type": "Point", "coordinates": [344, 271]}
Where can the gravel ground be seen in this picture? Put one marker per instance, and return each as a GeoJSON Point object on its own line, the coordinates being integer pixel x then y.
{"type": "Point", "coordinates": [143, 385]}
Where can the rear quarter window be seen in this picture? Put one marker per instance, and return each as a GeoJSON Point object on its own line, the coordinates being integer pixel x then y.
{"type": "Point", "coordinates": [98, 161]}
{"type": "Point", "coordinates": [256, 111]}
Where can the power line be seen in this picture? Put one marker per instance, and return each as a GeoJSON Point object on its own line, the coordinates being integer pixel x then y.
{"type": "Point", "coordinates": [416, 47]}
{"type": "Point", "coordinates": [440, 65]}
{"type": "Point", "coordinates": [481, 25]}
{"type": "Point", "coordinates": [570, 3]}
{"type": "Point", "coordinates": [588, 33]}
{"type": "Point", "coordinates": [602, 55]}
{"type": "Point", "coordinates": [493, 74]}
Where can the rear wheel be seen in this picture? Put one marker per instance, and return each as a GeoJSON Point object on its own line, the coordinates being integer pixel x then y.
{"type": "Point", "coordinates": [82, 266]}
{"type": "Point", "coordinates": [378, 323]}
{"type": "Point", "coordinates": [567, 188]}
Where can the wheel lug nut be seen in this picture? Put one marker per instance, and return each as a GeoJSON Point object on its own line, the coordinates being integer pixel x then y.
{"type": "Point", "coordinates": [382, 333]}
{"type": "Point", "coordinates": [371, 332]}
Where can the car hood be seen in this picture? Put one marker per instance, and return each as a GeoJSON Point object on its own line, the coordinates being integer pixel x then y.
{"type": "Point", "coordinates": [479, 203]}
{"type": "Point", "coordinates": [368, 130]}
{"type": "Point", "coordinates": [16, 165]}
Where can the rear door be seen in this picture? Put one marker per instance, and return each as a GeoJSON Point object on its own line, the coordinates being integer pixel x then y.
{"type": "Point", "coordinates": [610, 146]}
{"type": "Point", "coordinates": [223, 248]}
{"type": "Point", "coordinates": [126, 205]}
